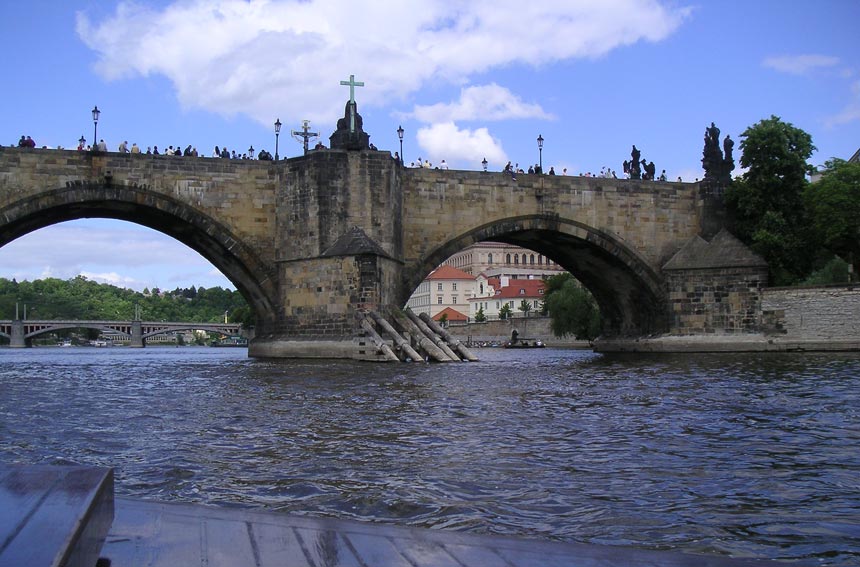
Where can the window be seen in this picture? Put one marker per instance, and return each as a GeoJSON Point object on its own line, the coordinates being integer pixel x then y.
{"type": "Point", "coordinates": [508, 259]}
{"type": "Point", "coordinates": [540, 291]}
{"type": "Point", "coordinates": [516, 258]}
{"type": "Point", "coordinates": [522, 291]}
{"type": "Point", "coordinates": [482, 289]}
{"type": "Point", "coordinates": [439, 299]}
{"type": "Point", "coordinates": [536, 304]}
{"type": "Point", "coordinates": [454, 287]}
{"type": "Point", "coordinates": [439, 286]}
{"type": "Point", "coordinates": [540, 260]}
{"type": "Point", "coordinates": [454, 299]}
{"type": "Point", "coordinates": [490, 258]}
{"type": "Point", "coordinates": [532, 260]}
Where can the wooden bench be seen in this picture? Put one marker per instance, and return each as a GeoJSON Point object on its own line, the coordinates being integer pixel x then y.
{"type": "Point", "coordinates": [54, 516]}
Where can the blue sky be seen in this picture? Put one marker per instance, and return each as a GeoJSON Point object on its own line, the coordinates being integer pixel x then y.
{"type": "Point", "coordinates": [466, 80]}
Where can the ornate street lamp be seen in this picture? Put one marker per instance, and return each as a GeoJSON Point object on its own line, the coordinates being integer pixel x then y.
{"type": "Point", "coordinates": [81, 142]}
{"type": "Point", "coordinates": [540, 152]}
{"type": "Point", "coordinates": [96, 113]}
{"type": "Point", "coordinates": [484, 163]}
{"type": "Point", "coordinates": [400, 135]}
{"type": "Point", "coordinates": [277, 133]}
{"type": "Point", "coordinates": [251, 152]}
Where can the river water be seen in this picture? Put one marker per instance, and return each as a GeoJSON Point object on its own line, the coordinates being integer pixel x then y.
{"type": "Point", "coordinates": [748, 455]}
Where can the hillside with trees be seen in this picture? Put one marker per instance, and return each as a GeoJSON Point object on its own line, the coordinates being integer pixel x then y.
{"type": "Point", "coordinates": [81, 299]}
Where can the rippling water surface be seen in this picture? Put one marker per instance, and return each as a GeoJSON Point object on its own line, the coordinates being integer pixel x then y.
{"type": "Point", "coordinates": [747, 455]}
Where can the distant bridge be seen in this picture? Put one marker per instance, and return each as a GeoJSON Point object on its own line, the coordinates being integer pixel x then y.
{"type": "Point", "coordinates": [21, 332]}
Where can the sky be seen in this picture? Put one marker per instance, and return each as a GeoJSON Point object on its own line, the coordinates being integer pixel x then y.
{"type": "Point", "coordinates": [465, 80]}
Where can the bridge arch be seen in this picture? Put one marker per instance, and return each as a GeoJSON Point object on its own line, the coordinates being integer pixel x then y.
{"type": "Point", "coordinates": [254, 279]}
{"type": "Point", "coordinates": [631, 295]}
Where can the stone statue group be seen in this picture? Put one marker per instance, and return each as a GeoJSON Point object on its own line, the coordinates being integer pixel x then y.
{"type": "Point", "coordinates": [718, 164]}
{"type": "Point", "coordinates": [635, 169]}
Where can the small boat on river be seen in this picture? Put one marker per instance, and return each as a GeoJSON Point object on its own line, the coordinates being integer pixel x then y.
{"type": "Point", "coordinates": [525, 343]}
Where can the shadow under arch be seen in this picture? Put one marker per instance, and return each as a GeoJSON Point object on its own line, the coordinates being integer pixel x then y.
{"type": "Point", "coordinates": [255, 280]}
{"type": "Point", "coordinates": [631, 294]}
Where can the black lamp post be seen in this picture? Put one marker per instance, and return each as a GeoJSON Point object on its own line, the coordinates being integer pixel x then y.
{"type": "Point", "coordinates": [96, 113]}
{"type": "Point", "coordinates": [81, 142]}
{"type": "Point", "coordinates": [400, 135]}
{"type": "Point", "coordinates": [251, 152]}
{"type": "Point", "coordinates": [484, 163]}
{"type": "Point", "coordinates": [540, 152]}
{"type": "Point", "coordinates": [277, 133]}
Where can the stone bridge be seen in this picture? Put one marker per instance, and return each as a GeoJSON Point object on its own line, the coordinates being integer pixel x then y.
{"type": "Point", "coordinates": [20, 332]}
{"type": "Point", "coordinates": [312, 241]}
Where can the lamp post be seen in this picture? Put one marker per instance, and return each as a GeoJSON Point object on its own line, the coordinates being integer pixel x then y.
{"type": "Point", "coordinates": [81, 142]}
{"type": "Point", "coordinates": [540, 152]}
{"type": "Point", "coordinates": [277, 133]}
{"type": "Point", "coordinates": [251, 152]}
{"type": "Point", "coordinates": [400, 135]}
{"type": "Point", "coordinates": [96, 113]}
{"type": "Point", "coordinates": [484, 163]}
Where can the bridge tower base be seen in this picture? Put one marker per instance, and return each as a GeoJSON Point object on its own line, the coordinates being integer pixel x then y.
{"type": "Point", "coordinates": [17, 338]}
{"type": "Point", "coordinates": [136, 335]}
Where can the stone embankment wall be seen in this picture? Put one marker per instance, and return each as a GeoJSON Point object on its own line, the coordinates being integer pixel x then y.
{"type": "Point", "coordinates": [500, 331]}
{"type": "Point", "coordinates": [824, 318]}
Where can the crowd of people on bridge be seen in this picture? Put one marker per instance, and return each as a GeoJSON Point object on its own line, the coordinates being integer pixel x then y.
{"type": "Point", "coordinates": [224, 153]}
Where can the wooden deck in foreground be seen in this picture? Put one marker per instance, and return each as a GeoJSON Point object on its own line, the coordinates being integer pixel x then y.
{"type": "Point", "coordinates": [155, 534]}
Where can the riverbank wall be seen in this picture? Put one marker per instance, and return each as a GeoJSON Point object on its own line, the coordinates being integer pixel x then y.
{"type": "Point", "coordinates": [499, 331]}
{"type": "Point", "coordinates": [789, 319]}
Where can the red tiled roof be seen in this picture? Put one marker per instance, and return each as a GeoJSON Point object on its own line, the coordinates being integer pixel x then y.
{"type": "Point", "coordinates": [453, 315]}
{"type": "Point", "coordinates": [531, 288]}
{"type": "Point", "coordinates": [446, 272]}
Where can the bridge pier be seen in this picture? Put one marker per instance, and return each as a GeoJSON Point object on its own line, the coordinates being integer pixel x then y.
{"type": "Point", "coordinates": [136, 335]}
{"type": "Point", "coordinates": [17, 339]}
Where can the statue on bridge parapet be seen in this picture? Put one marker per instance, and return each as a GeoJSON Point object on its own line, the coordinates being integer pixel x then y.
{"type": "Point", "coordinates": [718, 165]}
{"type": "Point", "coordinates": [349, 134]}
{"type": "Point", "coordinates": [345, 138]}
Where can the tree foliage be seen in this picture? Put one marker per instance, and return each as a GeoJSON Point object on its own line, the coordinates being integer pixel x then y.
{"type": "Point", "coordinates": [572, 309]}
{"type": "Point", "coordinates": [480, 317]}
{"type": "Point", "coordinates": [834, 208]}
{"type": "Point", "coordinates": [525, 307]}
{"type": "Point", "coordinates": [81, 299]}
{"type": "Point", "coordinates": [767, 205]}
{"type": "Point", "coordinates": [505, 312]}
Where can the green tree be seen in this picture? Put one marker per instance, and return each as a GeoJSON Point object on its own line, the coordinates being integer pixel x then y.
{"type": "Point", "coordinates": [766, 204]}
{"type": "Point", "coordinates": [834, 208]}
{"type": "Point", "coordinates": [572, 309]}
{"type": "Point", "coordinates": [480, 317]}
{"type": "Point", "coordinates": [525, 307]}
{"type": "Point", "coordinates": [505, 312]}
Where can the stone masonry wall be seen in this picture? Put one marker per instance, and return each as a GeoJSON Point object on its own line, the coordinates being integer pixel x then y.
{"type": "Point", "coordinates": [655, 218]}
{"type": "Point", "coordinates": [715, 301]}
{"type": "Point", "coordinates": [830, 313]}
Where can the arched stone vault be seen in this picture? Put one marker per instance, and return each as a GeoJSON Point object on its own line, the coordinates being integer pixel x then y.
{"type": "Point", "coordinates": [212, 240]}
{"type": "Point", "coordinates": [631, 295]}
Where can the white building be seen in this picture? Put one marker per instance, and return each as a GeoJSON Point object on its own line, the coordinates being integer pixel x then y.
{"type": "Point", "coordinates": [444, 288]}
{"type": "Point", "coordinates": [493, 293]}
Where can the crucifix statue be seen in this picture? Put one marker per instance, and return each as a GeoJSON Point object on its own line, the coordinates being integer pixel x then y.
{"type": "Point", "coordinates": [304, 134]}
{"type": "Point", "coordinates": [352, 83]}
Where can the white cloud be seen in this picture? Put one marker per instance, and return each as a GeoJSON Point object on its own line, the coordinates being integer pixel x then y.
{"type": "Point", "coordinates": [485, 103]}
{"type": "Point", "coordinates": [447, 141]}
{"type": "Point", "coordinates": [800, 64]}
{"type": "Point", "coordinates": [286, 58]}
{"type": "Point", "coordinates": [114, 252]}
{"type": "Point", "coordinates": [851, 112]}
{"type": "Point", "coordinates": [113, 278]}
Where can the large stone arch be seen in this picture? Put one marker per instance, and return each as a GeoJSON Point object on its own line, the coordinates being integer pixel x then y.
{"type": "Point", "coordinates": [254, 279]}
{"type": "Point", "coordinates": [631, 294]}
